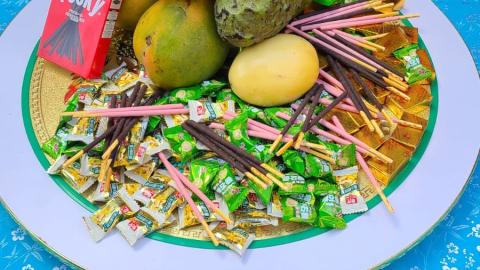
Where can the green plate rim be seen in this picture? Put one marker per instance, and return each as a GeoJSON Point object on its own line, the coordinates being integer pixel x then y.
{"type": "Point", "coordinates": [395, 183]}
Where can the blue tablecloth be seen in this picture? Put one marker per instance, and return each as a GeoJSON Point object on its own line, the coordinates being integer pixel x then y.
{"type": "Point", "coordinates": [453, 245]}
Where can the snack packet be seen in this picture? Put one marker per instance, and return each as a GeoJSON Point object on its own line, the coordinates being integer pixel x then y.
{"type": "Point", "coordinates": [106, 218]}
{"type": "Point", "coordinates": [90, 166]}
{"type": "Point", "coordinates": [237, 129]}
{"type": "Point", "coordinates": [181, 142]}
{"type": "Point", "coordinates": [142, 173]}
{"type": "Point", "coordinates": [307, 165]}
{"type": "Point", "coordinates": [225, 183]}
{"type": "Point", "coordinates": [138, 226]}
{"type": "Point", "coordinates": [415, 71]}
{"type": "Point", "coordinates": [203, 172]}
{"type": "Point", "coordinates": [330, 212]}
{"type": "Point", "coordinates": [274, 208]}
{"type": "Point", "coordinates": [298, 211]}
{"type": "Point", "coordinates": [185, 94]}
{"type": "Point", "coordinates": [264, 194]}
{"type": "Point", "coordinates": [164, 203]}
{"type": "Point", "coordinates": [157, 183]}
{"type": "Point", "coordinates": [89, 90]}
{"type": "Point", "coordinates": [250, 217]}
{"type": "Point", "coordinates": [73, 177]}
{"type": "Point", "coordinates": [187, 218]}
{"type": "Point", "coordinates": [207, 111]}
{"type": "Point", "coordinates": [236, 239]}
{"type": "Point", "coordinates": [83, 130]}
{"type": "Point", "coordinates": [351, 200]}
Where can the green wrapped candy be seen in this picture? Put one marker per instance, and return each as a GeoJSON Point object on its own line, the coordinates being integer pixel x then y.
{"type": "Point", "coordinates": [184, 94]}
{"type": "Point", "coordinates": [237, 129]}
{"type": "Point", "coordinates": [226, 185]}
{"type": "Point", "coordinates": [298, 211]}
{"type": "Point", "coordinates": [274, 120]}
{"type": "Point", "coordinates": [252, 111]}
{"type": "Point", "coordinates": [264, 194]}
{"type": "Point", "coordinates": [246, 22]}
{"type": "Point", "coordinates": [181, 142]}
{"type": "Point", "coordinates": [322, 188]}
{"type": "Point", "coordinates": [260, 152]}
{"type": "Point", "coordinates": [308, 198]}
{"type": "Point", "coordinates": [415, 71]}
{"type": "Point", "coordinates": [330, 2]}
{"type": "Point", "coordinates": [298, 184]}
{"type": "Point", "coordinates": [202, 173]}
{"type": "Point", "coordinates": [307, 165]}
{"type": "Point", "coordinates": [72, 105]}
{"type": "Point", "coordinates": [55, 146]}
{"type": "Point", "coordinates": [330, 212]}
{"type": "Point", "coordinates": [345, 156]}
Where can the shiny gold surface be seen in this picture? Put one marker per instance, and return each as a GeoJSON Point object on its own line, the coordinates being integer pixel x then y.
{"type": "Point", "coordinates": [50, 83]}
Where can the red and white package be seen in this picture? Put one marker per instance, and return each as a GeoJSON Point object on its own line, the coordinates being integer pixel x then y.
{"type": "Point", "coordinates": [77, 34]}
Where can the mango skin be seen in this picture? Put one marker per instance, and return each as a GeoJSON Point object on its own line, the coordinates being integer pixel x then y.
{"type": "Point", "coordinates": [275, 72]}
{"type": "Point", "coordinates": [131, 11]}
{"type": "Point", "coordinates": [177, 42]}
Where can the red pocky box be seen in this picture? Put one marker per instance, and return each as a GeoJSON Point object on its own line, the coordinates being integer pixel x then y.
{"type": "Point", "coordinates": [77, 34]}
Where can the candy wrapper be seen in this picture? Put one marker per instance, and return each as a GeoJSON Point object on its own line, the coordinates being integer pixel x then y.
{"type": "Point", "coordinates": [106, 218]}
{"type": "Point", "coordinates": [156, 144]}
{"type": "Point", "coordinates": [157, 183]}
{"type": "Point", "coordinates": [264, 194]}
{"type": "Point", "coordinates": [142, 173]}
{"type": "Point", "coordinates": [205, 111]}
{"type": "Point", "coordinates": [164, 203]}
{"type": "Point", "coordinates": [415, 71]}
{"type": "Point", "coordinates": [274, 120]}
{"type": "Point", "coordinates": [254, 218]}
{"type": "Point", "coordinates": [175, 120]}
{"type": "Point", "coordinates": [83, 130]}
{"type": "Point", "coordinates": [298, 211]}
{"type": "Point", "coordinates": [181, 142]}
{"type": "Point", "coordinates": [237, 129]}
{"type": "Point", "coordinates": [307, 165]}
{"type": "Point", "coordinates": [236, 239]}
{"type": "Point", "coordinates": [226, 185]}
{"type": "Point", "coordinates": [299, 185]}
{"type": "Point", "coordinates": [90, 166]}
{"type": "Point", "coordinates": [252, 202]}
{"type": "Point", "coordinates": [274, 208]}
{"type": "Point", "coordinates": [351, 200]}
{"type": "Point", "coordinates": [73, 177]}
{"type": "Point", "coordinates": [88, 90]}
{"type": "Point", "coordinates": [122, 78]}
{"type": "Point", "coordinates": [203, 172]}
{"type": "Point", "coordinates": [77, 35]}
{"type": "Point", "coordinates": [260, 152]}
{"type": "Point", "coordinates": [56, 145]}
{"type": "Point", "coordinates": [186, 217]}
{"type": "Point", "coordinates": [184, 95]}
{"type": "Point", "coordinates": [57, 165]}
{"type": "Point", "coordinates": [141, 224]}
{"type": "Point", "coordinates": [330, 212]}
{"type": "Point", "coordinates": [101, 195]}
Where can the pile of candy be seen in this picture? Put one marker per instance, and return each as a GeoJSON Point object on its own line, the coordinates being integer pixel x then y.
{"type": "Point", "coordinates": [200, 156]}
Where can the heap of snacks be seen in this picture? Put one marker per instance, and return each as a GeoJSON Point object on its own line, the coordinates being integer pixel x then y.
{"type": "Point", "coordinates": [200, 156]}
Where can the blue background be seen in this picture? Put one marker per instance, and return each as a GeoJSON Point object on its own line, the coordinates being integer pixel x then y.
{"type": "Point", "coordinates": [453, 245]}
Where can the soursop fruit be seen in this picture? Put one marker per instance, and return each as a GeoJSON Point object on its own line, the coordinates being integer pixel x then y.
{"type": "Point", "coordinates": [246, 22]}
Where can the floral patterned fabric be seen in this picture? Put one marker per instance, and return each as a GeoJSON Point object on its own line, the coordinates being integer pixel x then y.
{"type": "Point", "coordinates": [453, 245]}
